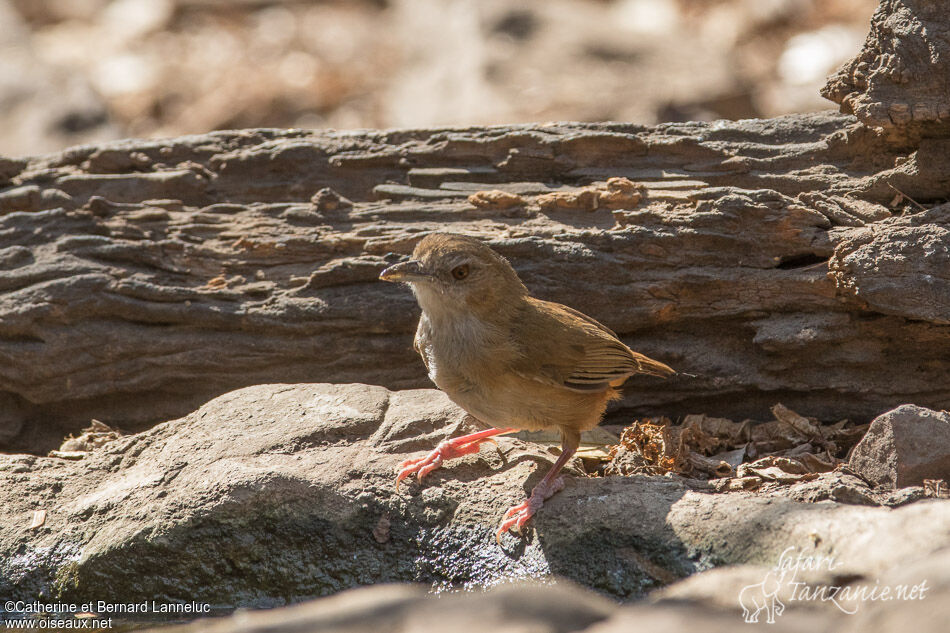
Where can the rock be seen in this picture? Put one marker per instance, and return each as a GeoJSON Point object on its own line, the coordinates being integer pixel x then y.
{"type": "Point", "coordinates": [822, 599]}
{"type": "Point", "coordinates": [278, 493]}
{"type": "Point", "coordinates": [524, 608]}
{"type": "Point", "coordinates": [11, 417]}
{"type": "Point", "coordinates": [710, 601]}
{"type": "Point", "coordinates": [898, 82]}
{"type": "Point", "coordinates": [686, 617]}
{"type": "Point", "coordinates": [929, 612]}
{"type": "Point", "coordinates": [911, 264]}
{"type": "Point", "coordinates": [841, 603]}
{"type": "Point", "coordinates": [903, 447]}
{"type": "Point", "coordinates": [140, 279]}
{"type": "Point", "coordinates": [561, 608]}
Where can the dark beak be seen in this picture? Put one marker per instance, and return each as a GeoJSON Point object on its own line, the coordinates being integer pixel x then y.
{"type": "Point", "coordinates": [405, 271]}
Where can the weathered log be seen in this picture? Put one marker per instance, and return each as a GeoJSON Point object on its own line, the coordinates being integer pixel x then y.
{"type": "Point", "coordinates": [900, 81]}
{"type": "Point", "coordinates": [769, 258]}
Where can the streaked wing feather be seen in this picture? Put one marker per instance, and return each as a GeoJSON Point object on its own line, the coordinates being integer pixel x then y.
{"type": "Point", "coordinates": [574, 351]}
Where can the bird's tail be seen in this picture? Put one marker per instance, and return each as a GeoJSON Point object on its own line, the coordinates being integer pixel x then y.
{"type": "Point", "coordinates": [653, 367]}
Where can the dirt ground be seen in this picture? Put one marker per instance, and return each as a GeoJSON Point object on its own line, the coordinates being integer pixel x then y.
{"type": "Point", "coordinates": [91, 70]}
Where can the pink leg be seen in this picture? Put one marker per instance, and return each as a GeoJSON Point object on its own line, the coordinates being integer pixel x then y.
{"type": "Point", "coordinates": [446, 450]}
{"type": "Point", "coordinates": [518, 515]}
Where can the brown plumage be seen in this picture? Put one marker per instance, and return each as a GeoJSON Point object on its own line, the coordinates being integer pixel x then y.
{"type": "Point", "coordinates": [507, 358]}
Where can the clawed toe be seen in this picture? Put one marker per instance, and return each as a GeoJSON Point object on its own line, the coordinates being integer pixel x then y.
{"type": "Point", "coordinates": [515, 519]}
{"type": "Point", "coordinates": [448, 449]}
{"type": "Point", "coordinates": [516, 509]}
{"type": "Point", "coordinates": [518, 515]}
{"type": "Point", "coordinates": [420, 467]}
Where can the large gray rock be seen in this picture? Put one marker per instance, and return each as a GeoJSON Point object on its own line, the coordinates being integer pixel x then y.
{"type": "Point", "coordinates": [278, 493]}
{"type": "Point", "coordinates": [709, 602]}
{"type": "Point", "coordinates": [405, 608]}
{"type": "Point", "coordinates": [903, 447]}
{"type": "Point", "coordinates": [511, 609]}
{"type": "Point", "coordinates": [917, 598]}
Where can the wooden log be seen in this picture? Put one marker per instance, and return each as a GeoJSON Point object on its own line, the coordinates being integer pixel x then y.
{"type": "Point", "coordinates": [900, 81]}
{"type": "Point", "coordinates": [770, 258]}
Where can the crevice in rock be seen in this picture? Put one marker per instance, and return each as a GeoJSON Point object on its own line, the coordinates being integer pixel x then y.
{"type": "Point", "coordinates": [808, 260]}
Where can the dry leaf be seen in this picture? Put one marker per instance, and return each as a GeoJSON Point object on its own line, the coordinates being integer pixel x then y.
{"type": "Point", "coordinates": [802, 425]}
{"type": "Point", "coordinates": [728, 484]}
{"type": "Point", "coordinates": [495, 199]}
{"type": "Point", "coordinates": [780, 469]}
{"type": "Point", "coordinates": [788, 449]}
{"type": "Point", "coordinates": [716, 467]}
{"type": "Point", "coordinates": [733, 458]}
{"type": "Point", "coordinates": [95, 435]}
{"type": "Point", "coordinates": [936, 488]}
{"type": "Point", "coordinates": [73, 455]}
{"type": "Point", "coordinates": [381, 531]}
{"type": "Point", "coordinates": [39, 518]}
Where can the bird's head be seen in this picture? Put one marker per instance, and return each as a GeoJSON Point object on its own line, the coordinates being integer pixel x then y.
{"type": "Point", "coordinates": [450, 273]}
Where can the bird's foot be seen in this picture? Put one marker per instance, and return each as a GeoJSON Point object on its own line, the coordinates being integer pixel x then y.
{"type": "Point", "coordinates": [445, 450]}
{"type": "Point", "coordinates": [518, 515]}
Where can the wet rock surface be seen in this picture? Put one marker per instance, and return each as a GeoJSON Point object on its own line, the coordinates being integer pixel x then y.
{"type": "Point", "coordinates": [278, 493]}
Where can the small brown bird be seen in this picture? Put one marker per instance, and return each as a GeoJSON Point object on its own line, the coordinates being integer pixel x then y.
{"type": "Point", "coordinates": [510, 360]}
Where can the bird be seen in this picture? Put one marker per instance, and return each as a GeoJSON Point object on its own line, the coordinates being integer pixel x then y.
{"type": "Point", "coordinates": [512, 361]}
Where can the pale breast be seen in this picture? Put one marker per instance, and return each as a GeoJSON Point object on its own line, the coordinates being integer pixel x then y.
{"type": "Point", "coordinates": [460, 354]}
{"type": "Point", "coordinates": [446, 352]}
{"type": "Point", "coordinates": [472, 365]}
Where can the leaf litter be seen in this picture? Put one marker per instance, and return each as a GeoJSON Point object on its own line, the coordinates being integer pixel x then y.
{"type": "Point", "coordinates": [732, 455]}
{"type": "Point", "coordinates": [95, 435]}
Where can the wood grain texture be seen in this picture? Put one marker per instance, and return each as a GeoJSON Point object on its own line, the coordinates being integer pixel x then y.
{"type": "Point", "coordinates": [142, 278]}
{"type": "Point", "coordinates": [900, 81]}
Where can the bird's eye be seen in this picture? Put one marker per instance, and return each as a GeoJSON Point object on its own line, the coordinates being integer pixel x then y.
{"type": "Point", "coordinates": [460, 272]}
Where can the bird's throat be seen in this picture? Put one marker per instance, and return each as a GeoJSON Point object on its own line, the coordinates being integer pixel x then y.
{"type": "Point", "coordinates": [457, 333]}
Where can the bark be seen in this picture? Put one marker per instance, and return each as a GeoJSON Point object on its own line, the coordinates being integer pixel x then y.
{"type": "Point", "coordinates": [900, 81]}
{"type": "Point", "coordinates": [773, 259]}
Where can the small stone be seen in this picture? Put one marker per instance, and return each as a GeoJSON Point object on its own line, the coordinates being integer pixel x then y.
{"type": "Point", "coordinates": [39, 518]}
{"type": "Point", "coordinates": [587, 199]}
{"type": "Point", "coordinates": [495, 199]}
{"type": "Point", "coordinates": [381, 531]}
{"type": "Point", "coordinates": [903, 447]}
{"type": "Point", "coordinates": [329, 200]}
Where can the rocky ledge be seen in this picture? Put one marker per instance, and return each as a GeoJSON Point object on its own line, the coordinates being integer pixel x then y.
{"type": "Point", "coordinates": [277, 493]}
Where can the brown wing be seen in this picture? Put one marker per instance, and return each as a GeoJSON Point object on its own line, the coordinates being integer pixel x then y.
{"type": "Point", "coordinates": [567, 348]}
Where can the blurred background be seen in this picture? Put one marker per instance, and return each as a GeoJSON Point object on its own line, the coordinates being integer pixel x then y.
{"type": "Point", "coordinates": [78, 71]}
